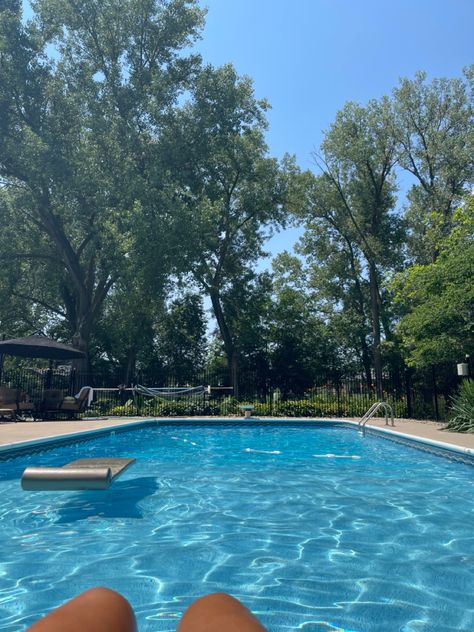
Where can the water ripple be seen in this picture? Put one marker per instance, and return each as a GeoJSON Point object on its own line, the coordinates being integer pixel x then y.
{"type": "Point", "coordinates": [316, 529]}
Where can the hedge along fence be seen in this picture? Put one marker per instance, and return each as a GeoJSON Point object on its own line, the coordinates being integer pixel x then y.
{"type": "Point", "coordinates": [347, 406]}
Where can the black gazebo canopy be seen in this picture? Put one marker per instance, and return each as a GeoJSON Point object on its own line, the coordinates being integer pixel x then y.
{"type": "Point", "coordinates": [39, 347]}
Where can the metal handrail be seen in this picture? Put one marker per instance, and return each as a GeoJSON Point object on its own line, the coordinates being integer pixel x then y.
{"type": "Point", "coordinates": [373, 409]}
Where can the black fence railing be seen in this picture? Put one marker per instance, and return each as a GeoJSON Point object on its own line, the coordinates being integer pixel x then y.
{"type": "Point", "coordinates": [330, 395]}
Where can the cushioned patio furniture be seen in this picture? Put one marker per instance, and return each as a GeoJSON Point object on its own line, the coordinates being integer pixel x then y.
{"type": "Point", "coordinates": [9, 402]}
{"type": "Point", "coordinates": [78, 403]}
{"type": "Point", "coordinates": [55, 405]}
{"type": "Point", "coordinates": [51, 403]}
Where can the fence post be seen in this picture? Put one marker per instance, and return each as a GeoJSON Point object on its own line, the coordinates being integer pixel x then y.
{"type": "Point", "coordinates": [409, 393]}
{"type": "Point", "coordinates": [435, 392]}
{"type": "Point", "coordinates": [338, 392]}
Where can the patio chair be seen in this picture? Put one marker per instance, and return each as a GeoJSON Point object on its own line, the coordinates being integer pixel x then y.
{"type": "Point", "coordinates": [9, 402]}
{"type": "Point", "coordinates": [26, 406]}
{"type": "Point", "coordinates": [77, 404]}
{"type": "Point", "coordinates": [55, 405]}
{"type": "Point", "coordinates": [51, 403]}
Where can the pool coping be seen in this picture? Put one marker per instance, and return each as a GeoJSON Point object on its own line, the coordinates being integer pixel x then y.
{"type": "Point", "coordinates": [441, 448]}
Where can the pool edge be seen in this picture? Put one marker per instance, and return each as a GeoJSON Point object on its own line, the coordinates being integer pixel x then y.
{"type": "Point", "coordinates": [89, 433]}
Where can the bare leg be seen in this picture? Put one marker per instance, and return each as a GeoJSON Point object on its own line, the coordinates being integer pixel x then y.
{"type": "Point", "coordinates": [97, 610]}
{"type": "Point", "coordinates": [216, 613]}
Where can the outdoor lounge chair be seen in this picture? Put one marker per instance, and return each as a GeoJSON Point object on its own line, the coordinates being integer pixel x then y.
{"type": "Point", "coordinates": [9, 402]}
{"type": "Point", "coordinates": [55, 405]}
{"type": "Point", "coordinates": [15, 403]}
{"type": "Point", "coordinates": [51, 403]}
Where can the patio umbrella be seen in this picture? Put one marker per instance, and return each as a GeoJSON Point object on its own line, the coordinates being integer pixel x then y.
{"type": "Point", "coordinates": [39, 347]}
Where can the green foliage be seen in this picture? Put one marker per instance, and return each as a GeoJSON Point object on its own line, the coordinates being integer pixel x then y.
{"type": "Point", "coordinates": [462, 409]}
{"type": "Point", "coordinates": [353, 237]}
{"type": "Point", "coordinates": [313, 406]}
{"type": "Point", "coordinates": [126, 410]}
{"type": "Point", "coordinates": [180, 408]}
{"type": "Point", "coordinates": [299, 353]}
{"type": "Point", "coordinates": [232, 193]}
{"type": "Point", "coordinates": [180, 333]}
{"type": "Point", "coordinates": [439, 298]}
{"type": "Point", "coordinates": [80, 160]}
{"type": "Point", "coordinates": [433, 128]}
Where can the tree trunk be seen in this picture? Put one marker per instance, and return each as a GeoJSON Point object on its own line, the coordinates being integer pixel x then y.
{"type": "Point", "coordinates": [366, 362]}
{"type": "Point", "coordinates": [229, 346]}
{"type": "Point", "coordinates": [375, 313]}
{"type": "Point", "coordinates": [234, 373]}
{"type": "Point", "coordinates": [131, 364]}
{"type": "Point", "coordinates": [80, 340]}
{"type": "Point", "coordinates": [361, 307]}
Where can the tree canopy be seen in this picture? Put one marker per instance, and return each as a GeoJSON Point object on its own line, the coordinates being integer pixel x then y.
{"type": "Point", "coordinates": [137, 195]}
{"type": "Point", "coordinates": [438, 298]}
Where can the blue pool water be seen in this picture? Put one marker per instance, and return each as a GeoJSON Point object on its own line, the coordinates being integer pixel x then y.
{"type": "Point", "coordinates": [377, 536]}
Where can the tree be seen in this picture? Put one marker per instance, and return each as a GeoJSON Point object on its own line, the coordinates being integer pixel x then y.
{"type": "Point", "coordinates": [433, 126]}
{"type": "Point", "coordinates": [248, 306]}
{"type": "Point", "coordinates": [335, 277]}
{"type": "Point", "coordinates": [181, 339]}
{"type": "Point", "coordinates": [438, 298]}
{"type": "Point", "coordinates": [79, 134]}
{"type": "Point", "coordinates": [125, 335]}
{"type": "Point", "coordinates": [301, 348]}
{"type": "Point", "coordinates": [354, 200]}
{"type": "Point", "coordinates": [232, 193]}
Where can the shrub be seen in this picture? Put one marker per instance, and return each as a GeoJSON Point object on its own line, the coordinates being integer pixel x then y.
{"type": "Point", "coordinates": [462, 409]}
{"type": "Point", "coordinates": [127, 410]}
{"type": "Point", "coordinates": [346, 405]}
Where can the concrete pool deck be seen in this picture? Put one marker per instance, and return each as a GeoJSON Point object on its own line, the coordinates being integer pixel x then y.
{"type": "Point", "coordinates": [23, 432]}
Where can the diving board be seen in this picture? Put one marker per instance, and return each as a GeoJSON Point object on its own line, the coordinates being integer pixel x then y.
{"type": "Point", "coordinates": [94, 473]}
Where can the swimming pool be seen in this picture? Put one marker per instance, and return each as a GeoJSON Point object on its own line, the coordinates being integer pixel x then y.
{"type": "Point", "coordinates": [313, 528]}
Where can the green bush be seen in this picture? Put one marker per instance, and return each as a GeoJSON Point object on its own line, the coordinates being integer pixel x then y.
{"type": "Point", "coordinates": [347, 405]}
{"type": "Point", "coordinates": [127, 410]}
{"type": "Point", "coordinates": [462, 409]}
{"type": "Point", "coordinates": [181, 408]}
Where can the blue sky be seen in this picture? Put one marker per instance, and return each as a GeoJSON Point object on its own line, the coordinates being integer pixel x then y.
{"type": "Point", "coordinates": [308, 57]}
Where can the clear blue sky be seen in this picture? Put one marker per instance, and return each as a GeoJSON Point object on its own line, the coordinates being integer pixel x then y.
{"type": "Point", "coordinates": [308, 57]}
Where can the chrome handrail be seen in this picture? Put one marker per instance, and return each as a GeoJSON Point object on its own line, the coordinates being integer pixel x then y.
{"type": "Point", "coordinates": [373, 409]}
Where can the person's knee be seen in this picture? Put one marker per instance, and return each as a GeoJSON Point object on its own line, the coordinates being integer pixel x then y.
{"type": "Point", "coordinates": [218, 611]}
{"type": "Point", "coordinates": [98, 609]}
{"type": "Point", "coordinates": [107, 597]}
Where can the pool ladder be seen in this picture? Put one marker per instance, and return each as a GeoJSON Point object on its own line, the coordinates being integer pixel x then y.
{"type": "Point", "coordinates": [373, 409]}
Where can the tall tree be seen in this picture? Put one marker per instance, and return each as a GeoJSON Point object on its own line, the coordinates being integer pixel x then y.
{"type": "Point", "coordinates": [181, 339]}
{"type": "Point", "coordinates": [438, 298]}
{"type": "Point", "coordinates": [301, 348]}
{"type": "Point", "coordinates": [335, 273]}
{"type": "Point", "coordinates": [434, 129]}
{"type": "Point", "coordinates": [232, 192]}
{"type": "Point", "coordinates": [357, 160]}
{"type": "Point", "coordinates": [79, 132]}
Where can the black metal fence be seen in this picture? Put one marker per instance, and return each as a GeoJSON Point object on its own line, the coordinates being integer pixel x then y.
{"type": "Point", "coordinates": [334, 394]}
